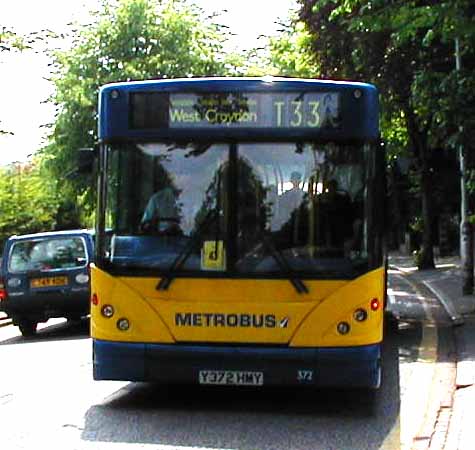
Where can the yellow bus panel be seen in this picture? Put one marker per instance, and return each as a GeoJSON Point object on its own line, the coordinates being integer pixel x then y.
{"type": "Point", "coordinates": [238, 311]}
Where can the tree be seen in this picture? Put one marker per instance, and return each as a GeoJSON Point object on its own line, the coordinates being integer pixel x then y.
{"type": "Point", "coordinates": [28, 199]}
{"type": "Point", "coordinates": [290, 51]}
{"type": "Point", "coordinates": [404, 48]}
{"type": "Point", "coordinates": [287, 53]}
{"type": "Point", "coordinates": [128, 40]}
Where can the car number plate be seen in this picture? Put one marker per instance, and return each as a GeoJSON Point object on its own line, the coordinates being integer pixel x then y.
{"type": "Point", "coordinates": [48, 281]}
{"type": "Point", "coordinates": [231, 377]}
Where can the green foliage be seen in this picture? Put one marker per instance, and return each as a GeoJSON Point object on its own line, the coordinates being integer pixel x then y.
{"type": "Point", "coordinates": [407, 50]}
{"type": "Point", "coordinates": [9, 40]}
{"type": "Point", "coordinates": [128, 40]}
{"type": "Point", "coordinates": [290, 52]}
{"type": "Point", "coordinates": [287, 53]}
{"type": "Point", "coordinates": [28, 199]}
{"type": "Point", "coordinates": [470, 174]}
{"type": "Point", "coordinates": [394, 134]}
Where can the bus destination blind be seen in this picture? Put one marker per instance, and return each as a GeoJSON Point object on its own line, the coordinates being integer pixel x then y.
{"type": "Point", "coordinates": [158, 110]}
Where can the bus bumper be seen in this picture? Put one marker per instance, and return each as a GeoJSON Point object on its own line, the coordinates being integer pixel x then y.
{"type": "Point", "coordinates": [354, 367]}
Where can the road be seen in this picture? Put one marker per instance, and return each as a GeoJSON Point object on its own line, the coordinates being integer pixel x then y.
{"type": "Point", "coordinates": [49, 400]}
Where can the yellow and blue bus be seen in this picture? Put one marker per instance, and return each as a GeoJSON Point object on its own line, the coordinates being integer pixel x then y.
{"type": "Point", "coordinates": [239, 234]}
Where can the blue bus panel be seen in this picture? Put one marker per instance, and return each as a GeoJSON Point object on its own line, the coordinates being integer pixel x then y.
{"type": "Point", "coordinates": [238, 109]}
{"type": "Point", "coordinates": [358, 367]}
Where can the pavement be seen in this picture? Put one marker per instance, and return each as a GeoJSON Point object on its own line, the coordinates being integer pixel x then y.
{"type": "Point", "coordinates": [455, 428]}
{"type": "Point", "coordinates": [4, 320]}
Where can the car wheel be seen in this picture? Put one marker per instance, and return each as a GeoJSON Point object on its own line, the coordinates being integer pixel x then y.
{"type": "Point", "coordinates": [27, 327]}
{"type": "Point", "coordinates": [73, 319]}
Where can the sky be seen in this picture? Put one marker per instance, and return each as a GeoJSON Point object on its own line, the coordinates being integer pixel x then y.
{"type": "Point", "coordinates": [24, 88]}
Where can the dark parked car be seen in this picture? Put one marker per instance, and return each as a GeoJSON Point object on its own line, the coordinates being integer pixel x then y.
{"type": "Point", "coordinates": [46, 275]}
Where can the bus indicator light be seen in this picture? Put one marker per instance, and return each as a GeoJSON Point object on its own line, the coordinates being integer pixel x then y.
{"type": "Point", "coordinates": [94, 299]}
{"type": "Point", "coordinates": [374, 304]}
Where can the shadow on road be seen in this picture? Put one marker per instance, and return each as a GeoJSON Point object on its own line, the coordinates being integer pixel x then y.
{"type": "Point", "coordinates": [59, 331]}
{"type": "Point", "coordinates": [250, 419]}
{"type": "Point", "coordinates": [409, 338]}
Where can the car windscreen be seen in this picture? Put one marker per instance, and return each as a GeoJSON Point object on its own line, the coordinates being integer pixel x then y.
{"type": "Point", "coordinates": [47, 254]}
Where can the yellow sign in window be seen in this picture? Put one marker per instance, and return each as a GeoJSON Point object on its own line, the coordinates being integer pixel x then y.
{"type": "Point", "coordinates": [213, 255]}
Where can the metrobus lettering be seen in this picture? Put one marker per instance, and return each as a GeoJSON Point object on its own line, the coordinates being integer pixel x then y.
{"type": "Point", "coordinates": [226, 320]}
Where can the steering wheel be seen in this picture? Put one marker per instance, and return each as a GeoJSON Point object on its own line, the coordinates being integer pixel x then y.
{"type": "Point", "coordinates": [154, 227]}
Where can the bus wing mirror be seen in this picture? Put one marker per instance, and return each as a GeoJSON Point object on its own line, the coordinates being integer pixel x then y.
{"type": "Point", "coordinates": [86, 159]}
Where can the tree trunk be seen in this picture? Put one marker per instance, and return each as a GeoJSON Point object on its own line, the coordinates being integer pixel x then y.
{"type": "Point", "coordinates": [466, 229]}
{"type": "Point", "coordinates": [419, 139]}
{"type": "Point", "coordinates": [426, 260]}
{"type": "Point", "coordinates": [467, 257]}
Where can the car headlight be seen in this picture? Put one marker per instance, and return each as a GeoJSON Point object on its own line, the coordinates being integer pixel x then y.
{"type": "Point", "coordinates": [14, 282]}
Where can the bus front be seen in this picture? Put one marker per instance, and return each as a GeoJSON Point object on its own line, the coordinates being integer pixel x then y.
{"type": "Point", "coordinates": [239, 233]}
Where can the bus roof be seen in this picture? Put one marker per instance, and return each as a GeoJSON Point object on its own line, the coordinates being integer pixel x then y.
{"type": "Point", "coordinates": [237, 82]}
{"type": "Point", "coordinates": [267, 108]}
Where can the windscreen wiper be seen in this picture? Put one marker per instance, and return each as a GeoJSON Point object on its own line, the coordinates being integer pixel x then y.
{"type": "Point", "coordinates": [180, 259]}
{"type": "Point", "coordinates": [284, 265]}
{"type": "Point", "coordinates": [210, 217]}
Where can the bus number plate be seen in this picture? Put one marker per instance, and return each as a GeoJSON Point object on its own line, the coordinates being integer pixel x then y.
{"type": "Point", "coordinates": [231, 377]}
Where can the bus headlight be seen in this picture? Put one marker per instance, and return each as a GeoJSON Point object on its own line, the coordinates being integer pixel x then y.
{"type": "Point", "coordinates": [343, 328]}
{"type": "Point", "coordinates": [360, 315]}
{"type": "Point", "coordinates": [123, 324]}
{"type": "Point", "coordinates": [107, 311]}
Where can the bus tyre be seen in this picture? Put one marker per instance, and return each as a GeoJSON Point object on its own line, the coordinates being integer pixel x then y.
{"type": "Point", "coordinates": [373, 401]}
{"type": "Point", "coordinates": [27, 327]}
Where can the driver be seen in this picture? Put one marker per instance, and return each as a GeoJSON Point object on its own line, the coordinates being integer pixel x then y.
{"type": "Point", "coordinates": [162, 212]}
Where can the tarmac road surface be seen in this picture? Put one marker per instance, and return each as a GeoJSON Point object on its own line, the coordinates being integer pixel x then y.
{"type": "Point", "coordinates": [49, 400]}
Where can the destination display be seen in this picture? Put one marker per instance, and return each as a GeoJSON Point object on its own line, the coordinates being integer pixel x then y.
{"type": "Point", "coordinates": [157, 110]}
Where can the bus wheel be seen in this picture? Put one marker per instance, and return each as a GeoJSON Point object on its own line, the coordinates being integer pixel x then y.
{"type": "Point", "coordinates": [27, 327]}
